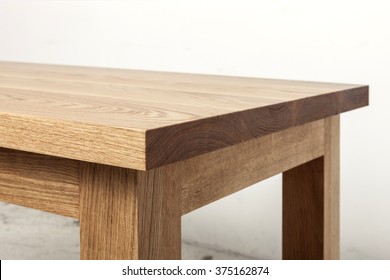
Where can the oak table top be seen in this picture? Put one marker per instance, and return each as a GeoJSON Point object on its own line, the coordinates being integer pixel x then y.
{"type": "Point", "coordinates": [143, 119]}
{"type": "Point", "coordinates": [129, 152]}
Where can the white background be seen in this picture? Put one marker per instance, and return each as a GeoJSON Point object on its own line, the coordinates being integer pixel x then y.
{"type": "Point", "coordinates": [337, 41]}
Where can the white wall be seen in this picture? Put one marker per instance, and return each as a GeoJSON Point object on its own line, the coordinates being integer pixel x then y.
{"type": "Point", "coordinates": [340, 41]}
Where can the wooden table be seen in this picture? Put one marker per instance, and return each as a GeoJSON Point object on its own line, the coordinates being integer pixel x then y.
{"type": "Point", "coordinates": [129, 152]}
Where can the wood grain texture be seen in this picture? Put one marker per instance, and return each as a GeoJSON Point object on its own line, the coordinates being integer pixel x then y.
{"type": "Point", "coordinates": [157, 118]}
{"type": "Point", "coordinates": [332, 189]}
{"type": "Point", "coordinates": [303, 212]}
{"type": "Point", "coordinates": [204, 181]}
{"type": "Point", "coordinates": [128, 214]}
{"type": "Point", "coordinates": [220, 173]}
{"type": "Point", "coordinates": [40, 182]}
{"type": "Point", "coordinates": [200, 137]}
{"type": "Point", "coordinates": [311, 203]}
{"type": "Point", "coordinates": [77, 141]}
{"type": "Point", "coordinates": [159, 215]}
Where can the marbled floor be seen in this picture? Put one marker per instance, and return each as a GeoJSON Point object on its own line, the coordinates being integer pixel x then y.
{"type": "Point", "coordinates": [31, 234]}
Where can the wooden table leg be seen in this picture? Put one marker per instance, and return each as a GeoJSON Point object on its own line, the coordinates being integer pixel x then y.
{"type": "Point", "coordinates": [128, 214]}
{"type": "Point", "coordinates": [311, 203]}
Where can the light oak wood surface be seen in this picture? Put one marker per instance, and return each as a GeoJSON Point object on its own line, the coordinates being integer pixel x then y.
{"type": "Point", "coordinates": [311, 197]}
{"type": "Point", "coordinates": [332, 189]}
{"type": "Point", "coordinates": [218, 174]}
{"type": "Point", "coordinates": [27, 178]}
{"type": "Point", "coordinates": [128, 214]}
{"type": "Point", "coordinates": [129, 152]}
{"type": "Point", "coordinates": [143, 119]}
{"type": "Point", "coordinates": [41, 182]}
